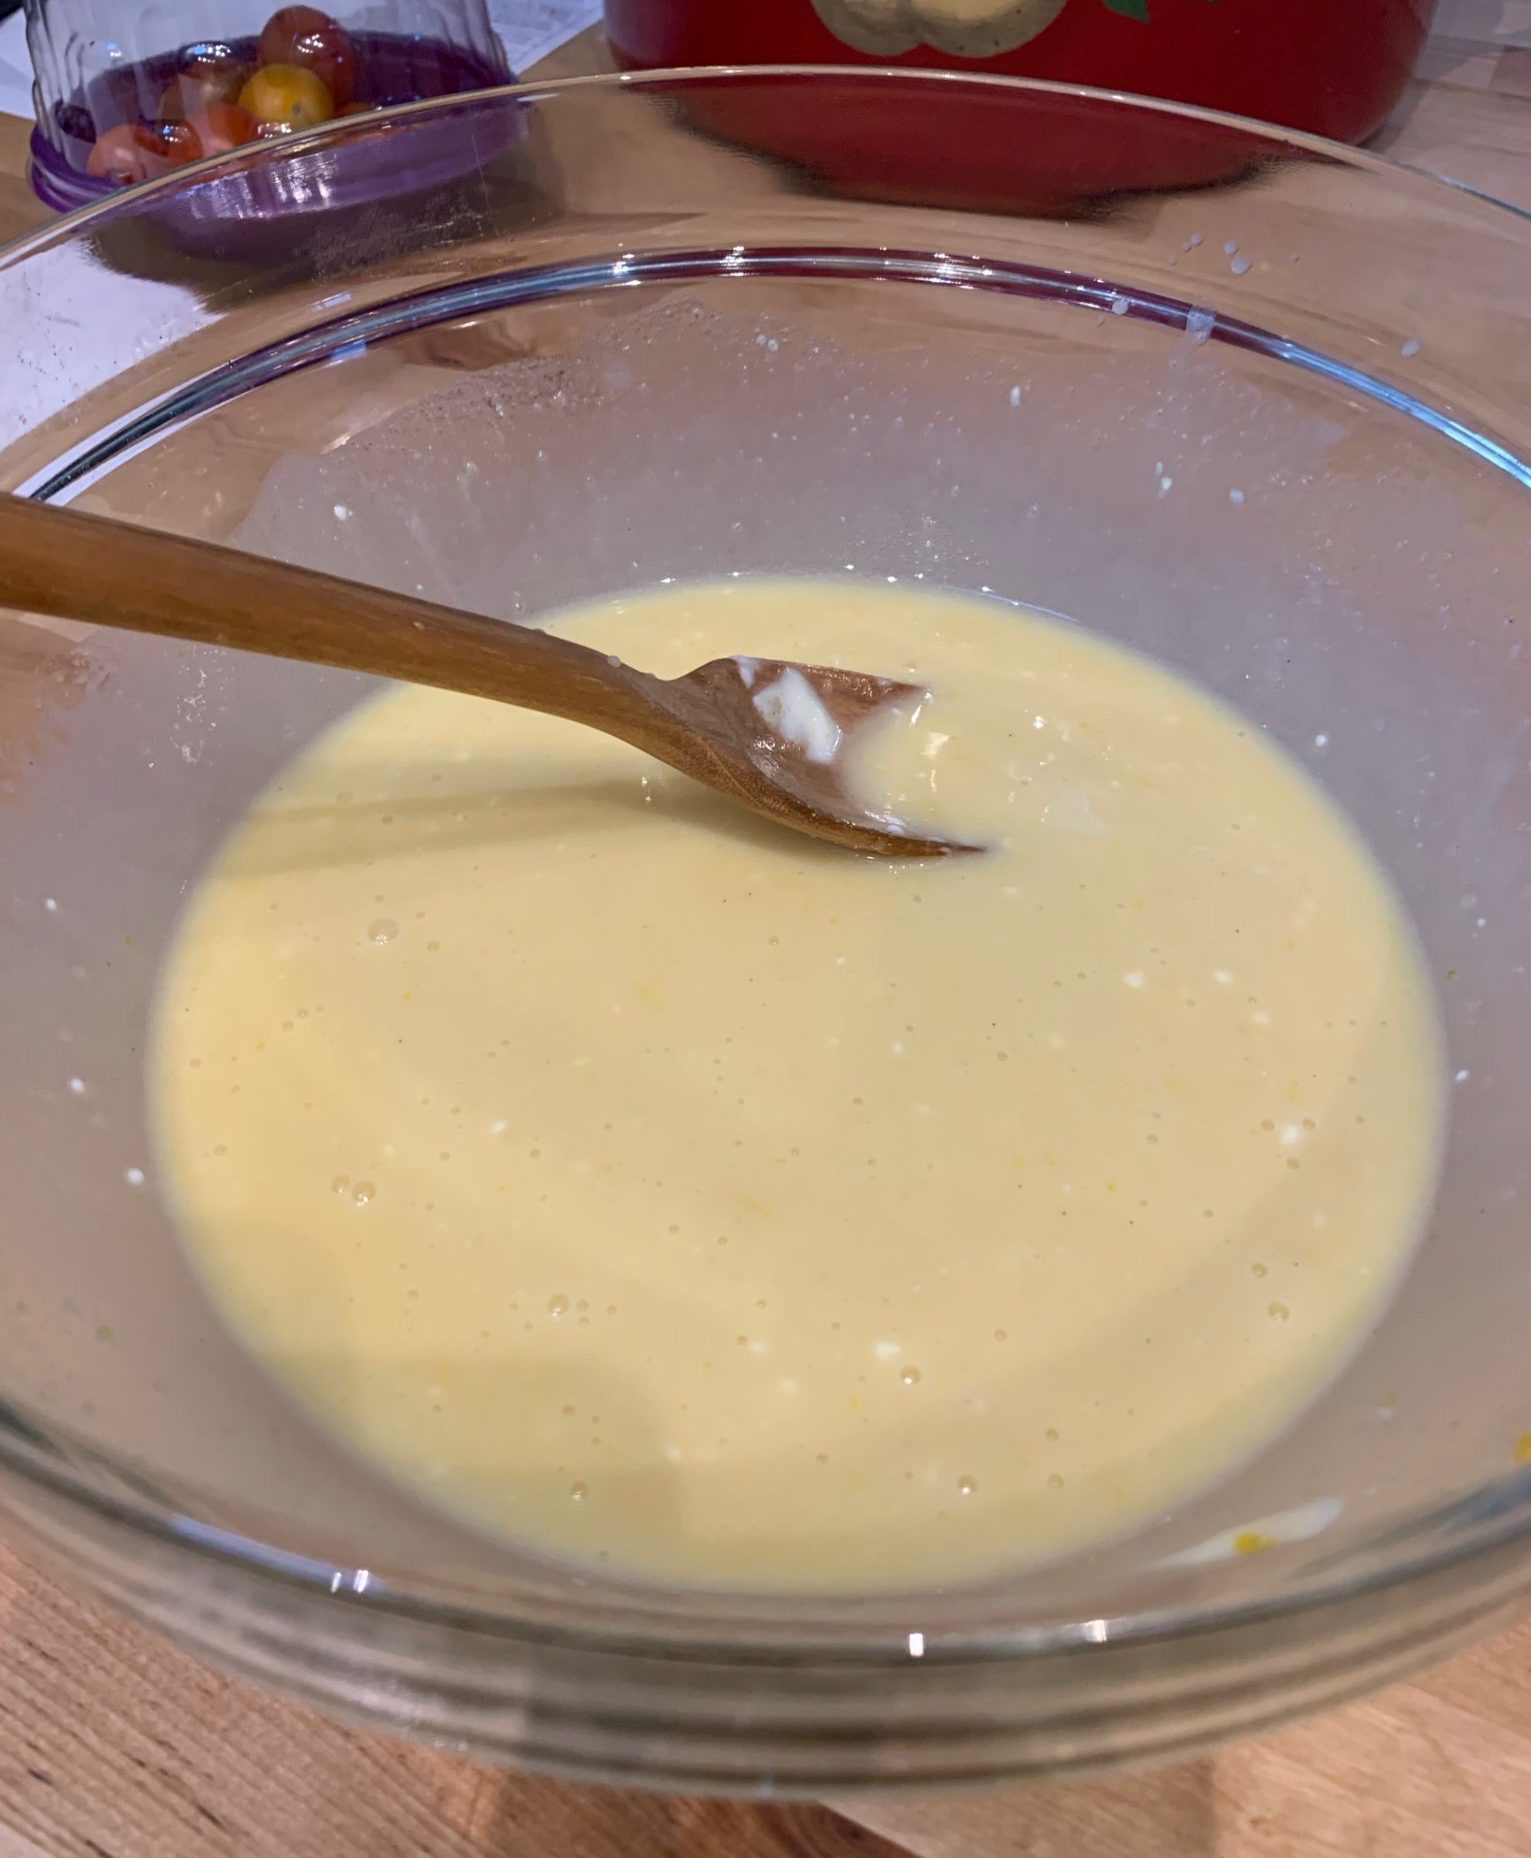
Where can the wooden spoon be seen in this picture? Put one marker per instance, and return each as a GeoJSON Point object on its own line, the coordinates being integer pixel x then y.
{"type": "Point", "coordinates": [769, 734]}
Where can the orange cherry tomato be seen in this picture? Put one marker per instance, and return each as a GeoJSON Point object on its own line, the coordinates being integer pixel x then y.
{"type": "Point", "coordinates": [208, 74]}
{"type": "Point", "coordinates": [222, 126]}
{"type": "Point", "coordinates": [132, 152]}
{"type": "Point", "coordinates": [287, 97]}
{"type": "Point", "coordinates": [302, 35]}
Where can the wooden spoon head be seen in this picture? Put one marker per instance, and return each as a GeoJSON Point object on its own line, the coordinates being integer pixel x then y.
{"type": "Point", "coordinates": [779, 735]}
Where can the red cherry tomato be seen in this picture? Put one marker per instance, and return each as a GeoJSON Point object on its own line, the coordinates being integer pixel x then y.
{"type": "Point", "coordinates": [222, 126]}
{"type": "Point", "coordinates": [287, 97]}
{"type": "Point", "coordinates": [302, 35]}
{"type": "Point", "coordinates": [121, 154]}
{"type": "Point", "coordinates": [131, 152]}
{"type": "Point", "coordinates": [208, 74]}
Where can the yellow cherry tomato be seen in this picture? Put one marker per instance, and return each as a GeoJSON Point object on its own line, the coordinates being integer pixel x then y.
{"type": "Point", "coordinates": [287, 97]}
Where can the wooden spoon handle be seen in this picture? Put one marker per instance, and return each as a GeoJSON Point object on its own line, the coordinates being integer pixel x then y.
{"type": "Point", "coordinates": [76, 566]}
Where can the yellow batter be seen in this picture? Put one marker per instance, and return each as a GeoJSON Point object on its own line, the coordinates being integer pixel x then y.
{"type": "Point", "coordinates": [657, 1187]}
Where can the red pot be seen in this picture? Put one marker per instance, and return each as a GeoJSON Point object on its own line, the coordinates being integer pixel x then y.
{"type": "Point", "coordinates": [1335, 67]}
{"type": "Point", "coordinates": [1332, 67]}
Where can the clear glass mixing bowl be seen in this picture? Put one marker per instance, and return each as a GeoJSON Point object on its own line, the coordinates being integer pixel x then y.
{"type": "Point", "coordinates": [1272, 429]}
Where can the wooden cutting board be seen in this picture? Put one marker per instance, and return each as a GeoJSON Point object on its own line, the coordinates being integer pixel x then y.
{"type": "Point", "coordinates": [114, 1746]}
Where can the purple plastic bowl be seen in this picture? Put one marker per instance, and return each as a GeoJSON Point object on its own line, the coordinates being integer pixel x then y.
{"type": "Point", "coordinates": [301, 183]}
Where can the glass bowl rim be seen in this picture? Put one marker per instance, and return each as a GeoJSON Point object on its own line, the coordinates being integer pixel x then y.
{"type": "Point", "coordinates": [681, 77]}
{"type": "Point", "coordinates": [1493, 1516]}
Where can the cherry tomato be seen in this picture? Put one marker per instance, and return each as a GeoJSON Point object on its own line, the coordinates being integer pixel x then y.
{"type": "Point", "coordinates": [209, 73]}
{"type": "Point", "coordinates": [131, 152]}
{"type": "Point", "coordinates": [287, 97]}
{"type": "Point", "coordinates": [222, 126]}
{"type": "Point", "coordinates": [302, 35]}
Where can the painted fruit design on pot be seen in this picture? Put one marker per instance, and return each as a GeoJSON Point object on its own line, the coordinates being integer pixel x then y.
{"type": "Point", "coordinates": [961, 28]}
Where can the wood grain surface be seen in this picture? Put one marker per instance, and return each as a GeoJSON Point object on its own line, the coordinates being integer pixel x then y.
{"type": "Point", "coordinates": [114, 1746]}
{"type": "Point", "coordinates": [20, 209]}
